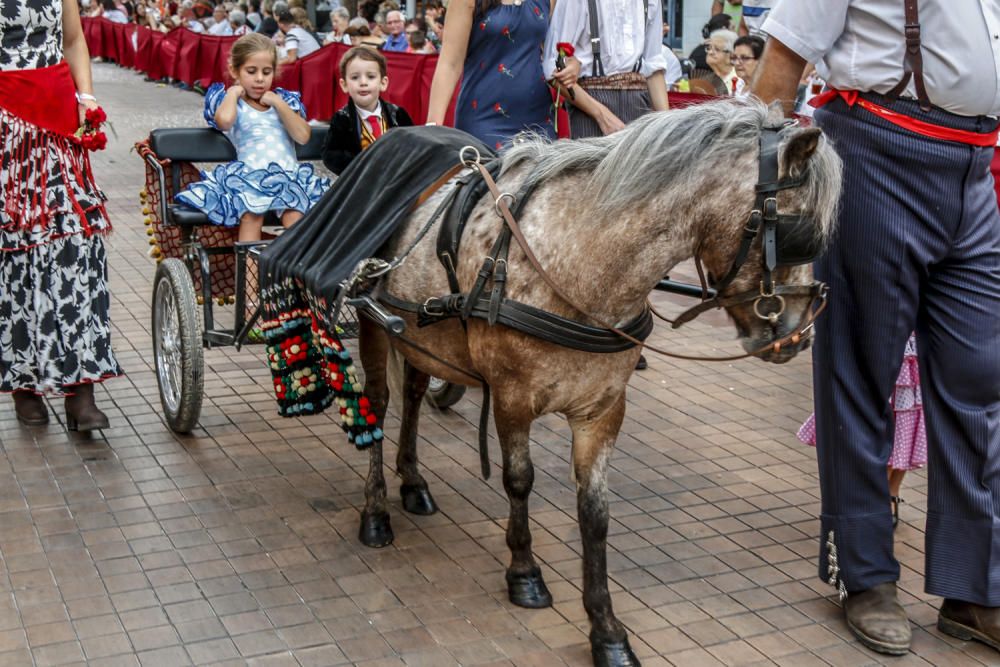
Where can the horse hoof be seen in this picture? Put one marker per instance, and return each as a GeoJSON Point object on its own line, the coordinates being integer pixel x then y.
{"type": "Point", "coordinates": [375, 530]}
{"type": "Point", "coordinates": [528, 590]}
{"type": "Point", "coordinates": [612, 654]}
{"type": "Point", "coordinates": [417, 500]}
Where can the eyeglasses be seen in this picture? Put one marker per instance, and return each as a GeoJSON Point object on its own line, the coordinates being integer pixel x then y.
{"type": "Point", "coordinates": [743, 59]}
{"type": "Point", "coordinates": [711, 49]}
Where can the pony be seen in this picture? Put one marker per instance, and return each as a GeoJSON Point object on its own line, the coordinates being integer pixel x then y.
{"type": "Point", "coordinates": [608, 218]}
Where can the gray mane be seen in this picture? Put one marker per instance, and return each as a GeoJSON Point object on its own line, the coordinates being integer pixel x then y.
{"type": "Point", "coordinates": [671, 150]}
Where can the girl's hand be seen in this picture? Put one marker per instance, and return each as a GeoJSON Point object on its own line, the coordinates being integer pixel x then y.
{"type": "Point", "coordinates": [568, 75]}
{"type": "Point", "coordinates": [270, 98]}
{"type": "Point", "coordinates": [83, 107]}
{"type": "Point", "coordinates": [236, 91]}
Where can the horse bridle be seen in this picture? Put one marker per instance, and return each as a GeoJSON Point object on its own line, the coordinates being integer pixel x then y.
{"type": "Point", "coordinates": [786, 240]}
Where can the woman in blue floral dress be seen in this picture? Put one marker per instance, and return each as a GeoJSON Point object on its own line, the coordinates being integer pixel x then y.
{"type": "Point", "coordinates": [495, 48]}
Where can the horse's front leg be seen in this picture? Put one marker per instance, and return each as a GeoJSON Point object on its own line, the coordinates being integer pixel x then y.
{"type": "Point", "coordinates": [414, 493]}
{"type": "Point", "coordinates": [525, 586]}
{"type": "Point", "coordinates": [594, 437]}
{"type": "Point", "coordinates": [373, 345]}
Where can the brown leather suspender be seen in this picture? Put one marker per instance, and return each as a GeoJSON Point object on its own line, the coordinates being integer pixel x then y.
{"type": "Point", "coordinates": [913, 61]}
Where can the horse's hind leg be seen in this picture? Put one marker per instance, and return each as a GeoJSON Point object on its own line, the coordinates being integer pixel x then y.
{"type": "Point", "coordinates": [373, 344]}
{"type": "Point", "coordinates": [525, 586]}
{"type": "Point", "coordinates": [593, 441]}
{"type": "Point", "coordinates": [414, 492]}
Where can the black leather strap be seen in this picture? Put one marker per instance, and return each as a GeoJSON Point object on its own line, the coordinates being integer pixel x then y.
{"type": "Point", "coordinates": [528, 319]}
{"type": "Point", "coordinates": [596, 67]}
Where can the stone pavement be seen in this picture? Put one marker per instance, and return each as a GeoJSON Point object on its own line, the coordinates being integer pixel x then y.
{"type": "Point", "coordinates": [237, 544]}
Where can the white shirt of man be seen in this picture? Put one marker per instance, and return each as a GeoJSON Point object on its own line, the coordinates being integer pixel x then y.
{"type": "Point", "coordinates": [304, 43]}
{"type": "Point", "coordinates": [627, 36]}
{"type": "Point", "coordinates": [222, 28]}
{"type": "Point", "coordinates": [195, 25]}
{"type": "Point", "coordinates": [859, 45]}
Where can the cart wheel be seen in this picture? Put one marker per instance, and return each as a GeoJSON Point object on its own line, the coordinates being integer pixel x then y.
{"type": "Point", "coordinates": [177, 345]}
{"type": "Point", "coordinates": [442, 395]}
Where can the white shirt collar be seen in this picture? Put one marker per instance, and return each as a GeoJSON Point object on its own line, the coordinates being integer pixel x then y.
{"type": "Point", "coordinates": [365, 114]}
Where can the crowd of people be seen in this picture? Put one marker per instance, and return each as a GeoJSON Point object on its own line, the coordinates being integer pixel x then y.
{"type": "Point", "coordinates": [380, 25]}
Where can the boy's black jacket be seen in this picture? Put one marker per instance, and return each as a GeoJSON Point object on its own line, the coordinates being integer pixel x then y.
{"type": "Point", "coordinates": [343, 141]}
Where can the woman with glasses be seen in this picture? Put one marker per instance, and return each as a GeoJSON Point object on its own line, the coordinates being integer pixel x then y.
{"type": "Point", "coordinates": [719, 56]}
{"type": "Point", "coordinates": [746, 53]}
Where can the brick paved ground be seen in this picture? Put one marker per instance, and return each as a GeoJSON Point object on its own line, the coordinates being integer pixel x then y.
{"type": "Point", "coordinates": [237, 544]}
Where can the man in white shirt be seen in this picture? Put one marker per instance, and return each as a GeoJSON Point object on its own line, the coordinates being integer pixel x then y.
{"type": "Point", "coordinates": [754, 14]}
{"type": "Point", "coordinates": [221, 26]}
{"type": "Point", "coordinates": [625, 69]}
{"type": "Point", "coordinates": [918, 248]}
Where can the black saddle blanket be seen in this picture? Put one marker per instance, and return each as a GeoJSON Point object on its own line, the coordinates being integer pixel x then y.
{"type": "Point", "coordinates": [362, 209]}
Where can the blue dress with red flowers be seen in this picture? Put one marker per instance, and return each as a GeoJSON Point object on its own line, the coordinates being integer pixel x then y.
{"type": "Point", "coordinates": [503, 88]}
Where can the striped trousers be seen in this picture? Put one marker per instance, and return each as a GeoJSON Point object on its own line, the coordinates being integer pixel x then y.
{"type": "Point", "coordinates": [917, 248]}
{"type": "Point", "coordinates": [627, 104]}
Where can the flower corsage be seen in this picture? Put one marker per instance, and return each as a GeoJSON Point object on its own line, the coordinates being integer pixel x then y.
{"type": "Point", "coordinates": [90, 135]}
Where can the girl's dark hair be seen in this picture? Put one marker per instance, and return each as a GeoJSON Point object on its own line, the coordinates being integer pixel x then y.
{"type": "Point", "coordinates": [755, 43]}
{"type": "Point", "coordinates": [483, 6]}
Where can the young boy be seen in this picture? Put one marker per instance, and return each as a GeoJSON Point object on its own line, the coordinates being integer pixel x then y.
{"type": "Point", "coordinates": [365, 118]}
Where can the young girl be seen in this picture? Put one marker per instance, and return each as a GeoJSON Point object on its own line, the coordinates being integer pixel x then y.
{"type": "Point", "coordinates": [909, 448]}
{"type": "Point", "coordinates": [262, 124]}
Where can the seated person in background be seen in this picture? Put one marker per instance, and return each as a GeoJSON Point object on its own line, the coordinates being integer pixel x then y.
{"type": "Point", "coordinates": [221, 26]}
{"type": "Point", "coordinates": [340, 20]}
{"type": "Point", "coordinates": [268, 25]}
{"type": "Point", "coordinates": [238, 23]}
{"type": "Point", "coordinates": [360, 35]}
{"type": "Point", "coordinates": [698, 55]}
{"type": "Point", "coordinates": [365, 117]}
{"type": "Point", "coordinates": [418, 42]}
{"type": "Point", "coordinates": [719, 55]}
{"type": "Point", "coordinates": [299, 41]}
{"type": "Point", "coordinates": [188, 19]}
{"type": "Point", "coordinates": [112, 13]}
{"type": "Point", "coordinates": [746, 54]}
{"type": "Point", "coordinates": [396, 38]}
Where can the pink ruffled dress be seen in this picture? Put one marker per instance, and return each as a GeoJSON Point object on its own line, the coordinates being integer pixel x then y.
{"type": "Point", "coordinates": [909, 449]}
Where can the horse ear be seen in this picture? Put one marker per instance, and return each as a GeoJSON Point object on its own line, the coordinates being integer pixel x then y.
{"type": "Point", "coordinates": [799, 148]}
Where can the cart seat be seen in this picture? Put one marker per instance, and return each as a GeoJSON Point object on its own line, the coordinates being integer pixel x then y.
{"type": "Point", "coordinates": [206, 145]}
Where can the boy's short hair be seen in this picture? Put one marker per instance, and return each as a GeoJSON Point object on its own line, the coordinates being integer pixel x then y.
{"type": "Point", "coordinates": [362, 53]}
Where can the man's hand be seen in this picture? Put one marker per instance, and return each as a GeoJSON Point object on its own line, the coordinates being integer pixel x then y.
{"type": "Point", "coordinates": [609, 122]}
{"type": "Point", "coordinates": [568, 75]}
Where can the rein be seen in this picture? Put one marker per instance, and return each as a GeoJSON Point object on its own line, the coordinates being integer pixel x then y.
{"type": "Point", "coordinates": [818, 291]}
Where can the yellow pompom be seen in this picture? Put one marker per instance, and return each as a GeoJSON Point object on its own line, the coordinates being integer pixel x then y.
{"type": "Point", "coordinates": [145, 210]}
{"type": "Point", "coordinates": [150, 232]}
{"type": "Point", "coordinates": [201, 301]}
{"type": "Point", "coordinates": [152, 241]}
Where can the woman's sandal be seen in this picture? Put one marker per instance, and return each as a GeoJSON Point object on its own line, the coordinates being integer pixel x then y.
{"type": "Point", "coordinates": [896, 502]}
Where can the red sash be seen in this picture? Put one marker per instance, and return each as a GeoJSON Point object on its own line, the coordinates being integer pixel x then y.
{"type": "Point", "coordinates": [45, 97]}
{"type": "Point", "coordinates": [852, 97]}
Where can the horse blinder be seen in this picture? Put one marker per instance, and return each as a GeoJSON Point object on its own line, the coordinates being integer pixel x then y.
{"type": "Point", "coordinates": [786, 240]}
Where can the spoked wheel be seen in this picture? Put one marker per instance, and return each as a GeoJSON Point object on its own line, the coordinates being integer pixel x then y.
{"type": "Point", "coordinates": [442, 394]}
{"type": "Point", "coordinates": [177, 345]}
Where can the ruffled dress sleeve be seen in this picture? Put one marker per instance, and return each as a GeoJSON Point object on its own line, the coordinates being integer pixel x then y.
{"type": "Point", "coordinates": [293, 100]}
{"type": "Point", "coordinates": [213, 99]}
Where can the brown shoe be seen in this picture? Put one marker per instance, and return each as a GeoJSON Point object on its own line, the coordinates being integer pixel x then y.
{"type": "Point", "coordinates": [877, 619]}
{"type": "Point", "coordinates": [30, 408]}
{"type": "Point", "coordinates": [967, 621]}
{"type": "Point", "coordinates": [82, 413]}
